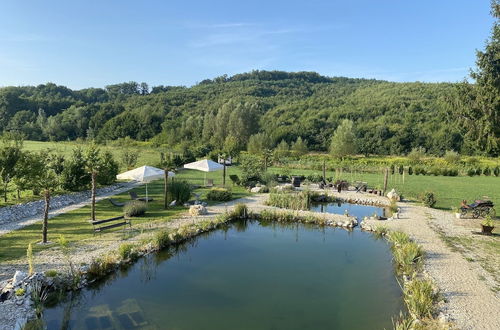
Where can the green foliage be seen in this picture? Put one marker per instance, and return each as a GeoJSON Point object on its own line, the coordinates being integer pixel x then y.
{"type": "Point", "coordinates": [419, 297]}
{"type": "Point", "coordinates": [100, 267]}
{"type": "Point", "coordinates": [129, 159]}
{"type": "Point", "coordinates": [417, 154]}
{"type": "Point", "coordinates": [234, 179]}
{"type": "Point", "coordinates": [428, 199]}
{"type": "Point", "coordinates": [20, 292]}
{"type": "Point", "coordinates": [381, 231]}
{"type": "Point", "coordinates": [179, 191]}
{"type": "Point", "coordinates": [299, 147]}
{"type": "Point", "coordinates": [219, 194]}
{"type": "Point", "coordinates": [488, 221]}
{"type": "Point", "coordinates": [452, 157]}
{"type": "Point", "coordinates": [240, 211]}
{"type": "Point", "coordinates": [75, 177]}
{"type": "Point", "coordinates": [127, 251]}
{"type": "Point", "coordinates": [408, 257]}
{"type": "Point", "coordinates": [293, 201]}
{"type": "Point", "coordinates": [251, 168]}
{"type": "Point", "coordinates": [51, 273]}
{"type": "Point", "coordinates": [134, 209]}
{"type": "Point", "coordinates": [344, 140]}
{"type": "Point", "coordinates": [108, 169]}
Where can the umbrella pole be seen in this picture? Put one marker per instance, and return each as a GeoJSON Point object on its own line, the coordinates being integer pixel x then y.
{"type": "Point", "coordinates": [146, 192]}
{"type": "Point", "coordinates": [205, 181]}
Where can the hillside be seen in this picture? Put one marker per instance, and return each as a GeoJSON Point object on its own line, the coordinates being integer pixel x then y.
{"type": "Point", "coordinates": [390, 118]}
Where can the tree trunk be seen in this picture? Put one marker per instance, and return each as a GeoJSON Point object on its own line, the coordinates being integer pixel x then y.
{"type": "Point", "coordinates": [18, 194]}
{"type": "Point", "coordinates": [224, 173]}
{"type": "Point", "coordinates": [165, 190]}
{"type": "Point", "coordinates": [92, 209]}
{"type": "Point", "coordinates": [46, 216]}
{"type": "Point", "coordinates": [5, 192]}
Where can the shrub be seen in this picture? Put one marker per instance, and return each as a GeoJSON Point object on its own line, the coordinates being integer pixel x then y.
{"type": "Point", "coordinates": [410, 170]}
{"type": "Point", "coordinates": [451, 157]}
{"type": "Point", "coordinates": [51, 273]}
{"type": "Point", "coordinates": [408, 256]}
{"type": "Point", "coordinates": [100, 267]}
{"type": "Point", "coordinates": [315, 178]}
{"type": "Point", "coordinates": [479, 171]}
{"type": "Point", "coordinates": [381, 231]}
{"type": "Point", "coordinates": [487, 171]}
{"type": "Point", "coordinates": [234, 179]}
{"type": "Point", "coordinates": [126, 251]}
{"type": "Point", "coordinates": [108, 169]}
{"type": "Point", "coordinates": [294, 201]}
{"type": "Point", "coordinates": [398, 238]}
{"type": "Point", "coordinates": [416, 154]}
{"type": "Point", "coordinates": [134, 209]}
{"type": "Point", "coordinates": [180, 191]}
{"type": "Point", "coordinates": [471, 171]}
{"type": "Point", "coordinates": [219, 194]}
{"type": "Point", "coordinates": [496, 171]}
{"type": "Point", "coordinates": [429, 199]}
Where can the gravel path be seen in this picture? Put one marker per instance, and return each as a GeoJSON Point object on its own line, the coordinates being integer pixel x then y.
{"type": "Point", "coordinates": [469, 301]}
{"type": "Point", "coordinates": [8, 227]}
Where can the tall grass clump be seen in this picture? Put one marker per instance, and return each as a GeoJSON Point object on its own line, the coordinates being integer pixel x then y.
{"type": "Point", "coordinates": [101, 266]}
{"type": "Point", "coordinates": [420, 297]}
{"type": "Point", "coordinates": [293, 201]}
{"type": "Point", "coordinates": [397, 238]}
{"type": "Point", "coordinates": [127, 251]}
{"type": "Point", "coordinates": [179, 191]}
{"type": "Point", "coordinates": [240, 211]}
{"type": "Point", "coordinates": [161, 239]}
{"type": "Point", "coordinates": [134, 209]}
{"type": "Point", "coordinates": [381, 231]}
{"type": "Point", "coordinates": [408, 257]}
{"type": "Point", "coordinates": [29, 255]}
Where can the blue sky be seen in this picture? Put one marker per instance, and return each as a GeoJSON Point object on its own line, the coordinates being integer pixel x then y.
{"type": "Point", "coordinates": [94, 43]}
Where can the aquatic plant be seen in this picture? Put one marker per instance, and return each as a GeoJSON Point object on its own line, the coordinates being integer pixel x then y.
{"type": "Point", "coordinates": [397, 238]}
{"type": "Point", "coordinates": [403, 322]}
{"type": "Point", "coordinates": [39, 293]}
{"type": "Point", "coordinates": [240, 211]}
{"type": "Point", "coordinates": [127, 251]}
{"type": "Point", "coordinates": [380, 231]}
{"type": "Point", "coordinates": [293, 201]}
{"type": "Point", "coordinates": [420, 297]}
{"type": "Point", "coordinates": [101, 266]}
{"type": "Point", "coordinates": [161, 239]}
{"type": "Point", "coordinates": [408, 257]}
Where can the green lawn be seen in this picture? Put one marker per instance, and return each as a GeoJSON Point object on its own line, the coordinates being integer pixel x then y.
{"type": "Point", "coordinates": [74, 225]}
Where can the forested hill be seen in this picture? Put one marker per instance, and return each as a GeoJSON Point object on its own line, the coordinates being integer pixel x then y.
{"type": "Point", "coordinates": [389, 118]}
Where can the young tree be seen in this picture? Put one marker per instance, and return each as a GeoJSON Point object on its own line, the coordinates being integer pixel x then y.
{"type": "Point", "coordinates": [10, 153]}
{"type": "Point", "coordinates": [93, 166]}
{"type": "Point", "coordinates": [477, 105]}
{"type": "Point", "coordinates": [299, 147]}
{"type": "Point", "coordinates": [344, 140]}
{"type": "Point", "coordinates": [129, 159]}
{"type": "Point", "coordinates": [282, 150]}
{"type": "Point", "coordinates": [44, 178]}
{"type": "Point", "coordinates": [75, 176]}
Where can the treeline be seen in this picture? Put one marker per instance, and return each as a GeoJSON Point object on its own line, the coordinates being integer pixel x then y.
{"type": "Point", "coordinates": [223, 114]}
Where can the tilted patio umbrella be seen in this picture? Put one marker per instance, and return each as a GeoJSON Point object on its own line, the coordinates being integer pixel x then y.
{"type": "Point", "coordinates": [144, 174]}
{"type": "Point", "coordinates": [205, 165]}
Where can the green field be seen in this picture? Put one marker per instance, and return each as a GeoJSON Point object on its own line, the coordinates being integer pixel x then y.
{"type": "Point", "coordinates": [74, 225]}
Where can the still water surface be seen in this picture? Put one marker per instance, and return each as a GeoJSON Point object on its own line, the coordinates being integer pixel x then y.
{"type": "Point", "coordinates": [250, 275]}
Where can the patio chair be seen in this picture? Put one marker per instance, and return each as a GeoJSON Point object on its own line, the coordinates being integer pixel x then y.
{"type": "Point", "coordinates": [135, 197]}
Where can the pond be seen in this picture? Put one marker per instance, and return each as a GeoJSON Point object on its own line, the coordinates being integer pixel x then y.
{"type": "Point", "coordinates": [356, 210]}
{"type": "Point", "coordinates": [249, 275]}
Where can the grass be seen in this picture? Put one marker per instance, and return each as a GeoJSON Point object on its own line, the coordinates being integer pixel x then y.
{"type": "Point", "coordinates": [74, 225]}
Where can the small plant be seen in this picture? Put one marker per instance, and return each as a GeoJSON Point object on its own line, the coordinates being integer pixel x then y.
{"type": "Point", "coordinates": [402, 322]}
{"type": "Point", "coordinates": [134, 209]}
{"type": "Point", "coordinates": [39, 293]}
{"type": "Point", "coordinates": [393, 207]}
{"type": "Point", "coordinates": [408, 257]}
{"type": "Point", "coordinates": [419, 297]}
{"type": "Point", "coordinates": [126, 251]}
{"type": "Point", "coordinates": [29, 255]}
{"type": "Point", "coordinates": [100, 267]}
{"type": "Point", "coordinates": [240, 211]}
{"type": "Point", "coordinates": [429, 199]}
{"type": "Point", "coordinates": [381, 231]}
{"type": "Point", "coordinates": [219, 195]}
{"type": "Point", "coordinates": [20, 292]}
{"type": "Point", "coordinates": [161, 239]}
{"type": "Point", "coordinates": [51, 273]}
{"type": "Point", "coordinates": [488, 221]}
{"type": "Point", "coordinates": [398, 238]}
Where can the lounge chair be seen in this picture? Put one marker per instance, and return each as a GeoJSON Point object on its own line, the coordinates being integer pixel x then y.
{"type": "Point", "coordinates": [115, 203]}
{"type": "Point", "coordinates": [135, 197]}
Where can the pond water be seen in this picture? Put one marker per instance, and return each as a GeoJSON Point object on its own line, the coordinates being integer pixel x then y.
{"type": "Point", "coordinates": [249, 275]}
{"type": "Point", "coordinates": [357, 210]}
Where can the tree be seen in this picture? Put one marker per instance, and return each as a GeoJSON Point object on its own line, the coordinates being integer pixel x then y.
{"type": "Point", "coordinates": [478, 105]}
{"type": "Point", "coordinates": [94, 163]}
{"type": "Point", "coordinates": [108, 171]}
{"type": "Point", "coordinates": [44, 178]}
{"type": "Point", "coordinates": [75, 176]}
{"type": "Point", "coordinates": [299, 147]}
{"type": "Point", "coordinates": [282, 150]}
{"type": "Point", "coordinates": [129, 159]}
{"type": "Point", "coordinates": [258, 143]}
{"type": "Point", "coordinates": [10, 153]}
{"type": "Point", "coordinates": [344, 140]}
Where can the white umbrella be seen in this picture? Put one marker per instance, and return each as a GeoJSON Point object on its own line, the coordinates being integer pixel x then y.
{"type": "Point", "coordinates": [144, 174]}
{"type": "Point", "coordinates": [205, 165]}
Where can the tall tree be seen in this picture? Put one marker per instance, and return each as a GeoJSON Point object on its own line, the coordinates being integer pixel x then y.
{"type": "Point", "coordinates": [343, 141]}
{"type": "Point", "coordinates": [93, 165]}
{"type": "Point", "coordinates": [10, 153]}
{"type": "Point", "coordinates": [478, 106]}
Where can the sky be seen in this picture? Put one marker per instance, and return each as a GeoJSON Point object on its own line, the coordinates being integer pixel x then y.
{"type": "Point", "coordinates": [92, 43]}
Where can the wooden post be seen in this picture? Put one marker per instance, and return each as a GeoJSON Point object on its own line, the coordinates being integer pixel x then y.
{"type": "Point", "coordinates": [386, 175]}
{"type": "Point", "coordinates": [165, 190]}
{"type": "Point", "coordinates": [324, 171]}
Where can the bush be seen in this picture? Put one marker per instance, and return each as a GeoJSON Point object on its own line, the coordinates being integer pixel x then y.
{"type": "Point", "coordinates": [496, 171]}
{"type": "Point", "coordinates": [429, 199]}
{"type": "Point", "coordinates": [471, 172]}
{"type": "Point", "coordinates": [219, 195]}
{"type": "Point", "coordinates": [100, 267]}
{"type": "Point", "coordinates": [487, 171]}
{"type": "Point", "coordinates": [419, 297]}
{"type": "Point", "coordinates": [294, 201]}
{"type": "Point", "coordinates": [134, 209]}
{"type": "Point", "coordinates": [108, 170]}
{"type": "Point", "coordinates": [51, 273]}
{"type": "Point", "coordinates": [179, 191]}
{"type": "Point", "coordinates": [161, 239]}
{"type": "Point", "coordinates": [479, 171]}
{"type": "Point", "coordinates": [234, 179]}
{"type": "Point", "coordinates": [126, 251]}
{"type": "Point", "coordinates": [410, 170]}
{"type": "Point", "coordinates": [408, 256]}
{"type": "Point", "coordinates": [451, 157]}
{"type": "Point", "coordinates": [240, 211]}
{"type": "Point", "coordinates": [315, 178]}
{"type": "Point", "coordinates": [74, 177]}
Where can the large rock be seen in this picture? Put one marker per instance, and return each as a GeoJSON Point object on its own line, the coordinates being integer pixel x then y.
{"type": "Point", "coordinates": [393, 195]}
{"type": "Point", "coordinates": [195, 210]}
{"type": "Point", "coordinates": [256, 189]}
{"type": "Point", "coordinates": [19, 277]}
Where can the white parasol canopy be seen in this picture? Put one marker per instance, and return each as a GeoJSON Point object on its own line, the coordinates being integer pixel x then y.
{"type": "Point", "coordinates": [144, 174]}
{"type": "Point", "coordinates": [205, 165]}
